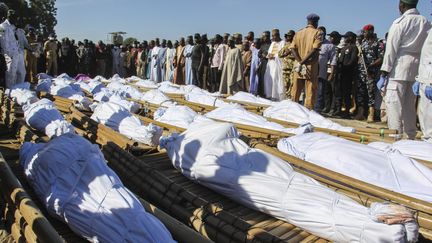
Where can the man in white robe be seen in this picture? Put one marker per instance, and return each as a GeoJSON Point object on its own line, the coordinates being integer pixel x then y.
{"type": "Point", "coordinates": [274, 86]}
{"type": "Point", "coordinates": [154, 64]}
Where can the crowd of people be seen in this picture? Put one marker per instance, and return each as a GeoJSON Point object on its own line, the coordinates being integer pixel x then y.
{"type": "Point", "coordinates": [336, 75]}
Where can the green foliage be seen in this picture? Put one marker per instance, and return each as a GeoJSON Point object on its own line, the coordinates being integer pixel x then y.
{"type": "Point", "coordinates": [129, 41]}
{"type": "Point", "coordinates": [40, 14]}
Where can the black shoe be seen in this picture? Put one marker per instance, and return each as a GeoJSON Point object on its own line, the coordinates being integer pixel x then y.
{"type": "Point", "coordinates": [325, 111]}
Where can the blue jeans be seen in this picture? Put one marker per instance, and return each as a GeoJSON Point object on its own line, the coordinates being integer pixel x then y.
{"type": "Point", "coordinates": [319, 104]}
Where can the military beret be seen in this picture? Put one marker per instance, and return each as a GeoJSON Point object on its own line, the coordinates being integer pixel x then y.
{"type": "Point", "coordinates": [368, 27]}
{"type": "Point", "coordinates": [350, 34]}
{"type": "Point", "coordinates": [335, 34]}
{"type": "Point", "coordinates": [413, 2]}
{"type": "Point", "coordinates": [313, 17]}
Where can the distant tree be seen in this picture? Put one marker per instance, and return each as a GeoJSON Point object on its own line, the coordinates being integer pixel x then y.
{"type": "Point", "coordinates": [40, 14]}
{"type": "Point", "coordinates": [44, 15]}
{"type": "Point", "coordinates": [129, 41]}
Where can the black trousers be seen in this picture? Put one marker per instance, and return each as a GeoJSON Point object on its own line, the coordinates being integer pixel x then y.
{"type": "Point", "coordinates": [347, 79]}
{"type": "Point", "coordinates": [215, 79]}
{"type": "Point", "coordinates": [197, 75]}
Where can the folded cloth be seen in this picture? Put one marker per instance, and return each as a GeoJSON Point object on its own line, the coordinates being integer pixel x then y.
{"type": "Point", "coordinates": [211, 154]}
{"type": "Point", "coordinates": [121, 120]}
{"type": "Point", "coordinates": [44, 117]}
{"type": "Point", "coordinates": [71, 178]}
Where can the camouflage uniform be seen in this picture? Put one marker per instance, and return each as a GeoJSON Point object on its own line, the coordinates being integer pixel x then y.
{"type": "Point", "coordinates": [368, 76]}
{"type": "Point", "coordinates": [287, 67]}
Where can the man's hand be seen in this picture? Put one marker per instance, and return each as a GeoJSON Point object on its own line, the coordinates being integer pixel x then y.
{"type": "Point", "coordinates": [428, 92]}
{"type": "Point", "coordinates": [416, 88]}
{"type": "Point", "coordinates": [384, 74]}
{"type": "Point", "coordinates": [381, 83]}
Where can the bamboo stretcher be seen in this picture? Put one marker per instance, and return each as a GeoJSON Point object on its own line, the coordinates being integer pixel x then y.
{"type": "Point", "coordinates": [211, 220]}
{"type": "Point", "coordinates": [362, 192]}
{"type": "Point", "coordinates": [359, 191]}
{"type": "Point", "coordinates": [37, 230]}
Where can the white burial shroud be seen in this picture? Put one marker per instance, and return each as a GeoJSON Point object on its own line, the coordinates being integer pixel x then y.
{"type": "Point", "coordinates": [293, 112]}
{"type": "Point", "coordinates": [414, 149]}
{"type": "Point", "coordinates": [390, 170]}
{"type": "Point", "coordinates": [21, 94]}
{"type": "Point", "coordinates": [237, 114]}
{"type": "Point", "coordinates": [250, 98]}
{"type": "Point", "coordinates": [70, 176]}
{"type": "Point", "coordinates": [156, 97]}
{"type": "Point", "coordinates": [44, 117]}
{"type": "Point", "coordinates": [211, 154]}
{"type": "Point", "coordinates": [121, 120]}
{"type": "Point", "coordinates": [72, 92]}
{"type": "Point", "coordinates": [179, 116]}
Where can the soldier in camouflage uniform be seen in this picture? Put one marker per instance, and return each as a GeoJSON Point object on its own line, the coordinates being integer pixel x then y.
{"type": "Point", "coordinates": [369, 70]}
{"type": "Point", "coordinates": [288, 62]}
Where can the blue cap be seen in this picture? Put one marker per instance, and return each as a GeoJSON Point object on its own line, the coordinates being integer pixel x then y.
{"type": "Point", "coordinates": [313, 17]}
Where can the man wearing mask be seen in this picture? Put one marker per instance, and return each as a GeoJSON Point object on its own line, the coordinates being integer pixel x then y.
{"type": "Point", "coordinates": [50, 51]}
{"type": "Point", "coordinates": [9, 45]}
{"type": "Point", "coordinates": [400, 67]}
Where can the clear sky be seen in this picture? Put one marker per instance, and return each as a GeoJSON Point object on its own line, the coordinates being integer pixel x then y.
{"type": "Point", "coordinates": [170, 19]}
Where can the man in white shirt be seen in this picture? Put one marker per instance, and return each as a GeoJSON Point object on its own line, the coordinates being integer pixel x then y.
{"type": "Point", "coordinates": [423, 87]}
{"type": "Point", "coordinates": [9, 46]}
{"type": "Point", "coordinates": [400, 66]}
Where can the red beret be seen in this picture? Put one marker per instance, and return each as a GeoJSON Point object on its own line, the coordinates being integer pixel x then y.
{"type": "Point", "coordinates": [368, 27]}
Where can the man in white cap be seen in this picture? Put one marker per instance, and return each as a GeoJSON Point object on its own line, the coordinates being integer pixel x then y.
{"type": "Point", "coordinates": [9, 46]}
{"type": "Point", "coordinates": [423, 88]}
{"type": "Point", "coordinates": [400, 67]}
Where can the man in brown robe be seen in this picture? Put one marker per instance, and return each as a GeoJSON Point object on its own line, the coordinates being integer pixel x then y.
{"type": "Point", "coordinates": [179, 63]}
{"type": "Point", "coordinates": [232, 73]}
{"type": "Point", "coordinates": [247, 59]}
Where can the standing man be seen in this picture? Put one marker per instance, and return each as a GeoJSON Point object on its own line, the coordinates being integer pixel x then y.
{"type": "Point", "coordinates": [188, 60]}
{"type": "Point", "coordinates": [9, 45]}
{"type": "Point", "coordinates": [169, 62]}
{"type": "Point", "coordinates": [179, 63]}
{"type": "Point", "coordinates": [348, 65]}
{"type": "Point", "coordinates": [327, 57]}
{"type": "Point", "coordinates": [3, 65]}
{"type": "Point", "coordinates": [332, 91]}
{"type": "Point", "coordinates": [50, 50]}
{"type": "Point", "coordinates": [255, 64]}
{"type": "Point", "coordinates": [22, 45]}
{"type": "Point", "coordinates": [274, 86]}
{"type": "Point", "coordinates": [117, 64]}
{"type": "Point", "coordinates": [232, 74]}
{"type": "Point", "coordinates": [32, 55]}
{"type": "Point", "coordinates": [197, 57]}
{"type": "Point", "coordinates": [287, 62]}
{"type": "Point", "coordinates": [155, 74]}
{"type": "Point", "coordinates": [371, 57]}
{"type": "Point", "coordinates": [247, 59]}
{"type": "Point", "coordinates": [400, 67]}
{"type": "Point", "coordinates": [265, 45]}
{"type": "Point", "coordinates": [305, 48]}
{"type": "Point", "coordinates": [162, 60]}
{"type": "Point", "coordinates": [217, 63]}
{"type": "Point", "coordinates": [423, 87]}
